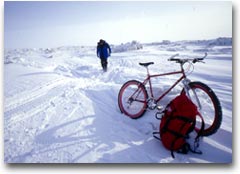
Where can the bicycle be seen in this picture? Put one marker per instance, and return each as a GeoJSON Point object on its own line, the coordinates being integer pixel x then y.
{"type": "Point", "coordinates": [134, 99]}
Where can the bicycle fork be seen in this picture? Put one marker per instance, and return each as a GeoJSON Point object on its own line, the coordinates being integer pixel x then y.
{"type": "Point", "coordinates": [187, 88]}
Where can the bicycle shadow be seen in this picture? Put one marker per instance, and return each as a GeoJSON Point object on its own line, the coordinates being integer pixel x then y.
{"type": "Point", "coordinates": [59, 143]}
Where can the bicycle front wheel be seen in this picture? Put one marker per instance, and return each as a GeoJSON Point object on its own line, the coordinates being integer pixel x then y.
{"type": "Point", "coordinates": [208, 106]}
{"type": "Point", "coordinates": [132, 99]}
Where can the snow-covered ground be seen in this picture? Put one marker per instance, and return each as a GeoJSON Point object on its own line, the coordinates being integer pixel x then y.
{"type": "Point", "coordinates": [59, 107]}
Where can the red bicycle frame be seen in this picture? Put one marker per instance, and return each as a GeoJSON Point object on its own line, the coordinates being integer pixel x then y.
{"type": "Point", "coordinates": [148, 79]}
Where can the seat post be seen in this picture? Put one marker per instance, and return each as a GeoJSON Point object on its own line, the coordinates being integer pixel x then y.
{"type": "Point", "coordinates": [147, 70]}
{"type": "Point", "coordinates": [146, 66]}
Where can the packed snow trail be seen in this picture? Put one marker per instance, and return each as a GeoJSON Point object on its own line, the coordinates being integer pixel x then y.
{"type": "Point", "coordinates": [59, 107]}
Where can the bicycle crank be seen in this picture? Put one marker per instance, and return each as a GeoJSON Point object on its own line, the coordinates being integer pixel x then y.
{"type": "Point", "coordinates": [152, 104]}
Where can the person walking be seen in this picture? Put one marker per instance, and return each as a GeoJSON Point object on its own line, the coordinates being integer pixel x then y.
{"type": "Point", "coordinates": [103, 52]}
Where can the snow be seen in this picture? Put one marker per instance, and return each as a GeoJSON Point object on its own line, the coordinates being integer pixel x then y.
{"type": "Point", "coordinates": [59, 107]}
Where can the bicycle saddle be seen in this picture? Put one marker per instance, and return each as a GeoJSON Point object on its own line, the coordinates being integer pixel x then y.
{"type": "Point", "coordinates": [146, 64]}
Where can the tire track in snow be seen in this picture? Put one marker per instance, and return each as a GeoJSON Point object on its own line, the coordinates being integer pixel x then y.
{"type": "Point", "coordinates": [38, 100]}
{"type": "Point", "coordinates": [26, 96]}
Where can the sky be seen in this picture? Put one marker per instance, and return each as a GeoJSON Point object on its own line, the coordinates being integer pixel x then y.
{"type": "Point", "coordinates": [41, 24]}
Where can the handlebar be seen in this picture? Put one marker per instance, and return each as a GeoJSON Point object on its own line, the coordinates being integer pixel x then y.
{"type": "Point", "coordinates": [182, 61]}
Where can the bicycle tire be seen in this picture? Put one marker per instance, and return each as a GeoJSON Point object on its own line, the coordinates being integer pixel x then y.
{"type": "Point", "coordinates": [208, 100]}
{"type": "Point", "coordinates": [128, 103]}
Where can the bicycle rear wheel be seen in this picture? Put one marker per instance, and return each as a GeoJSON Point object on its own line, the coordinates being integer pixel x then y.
{"type": "Point", "coordinates": [210, 107]}
{"type": "Point", "coordinates": [132, 99]}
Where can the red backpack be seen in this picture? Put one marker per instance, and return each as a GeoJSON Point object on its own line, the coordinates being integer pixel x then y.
{"type": "Point", "coordinates": [178, 120]}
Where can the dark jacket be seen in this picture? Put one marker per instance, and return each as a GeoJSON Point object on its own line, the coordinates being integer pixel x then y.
{"type": "Point", "coordinates": [103, 50]}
